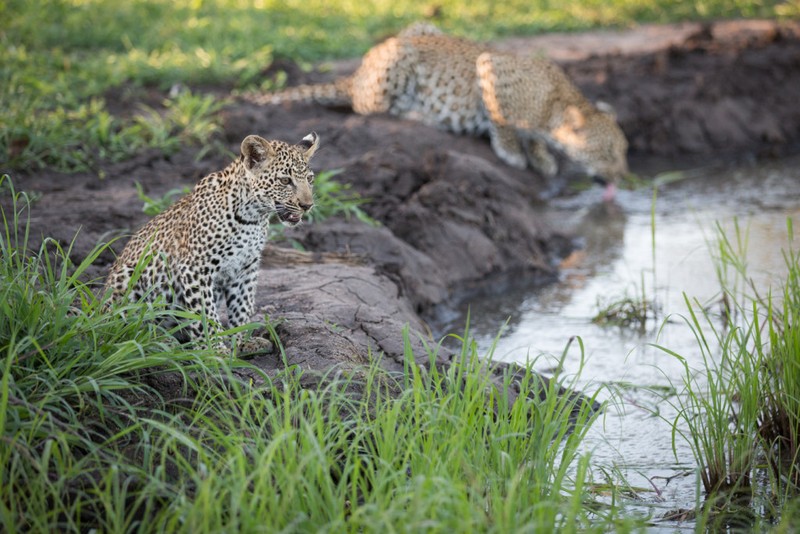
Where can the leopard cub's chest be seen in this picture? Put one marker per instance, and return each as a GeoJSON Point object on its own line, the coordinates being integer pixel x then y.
{"type": "Point", "coordinates": [232, 256]}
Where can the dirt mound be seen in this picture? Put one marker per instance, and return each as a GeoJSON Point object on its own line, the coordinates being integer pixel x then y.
{"type": "Point", "coordinates": [727, 90]}
{"type": "Point", "coordinates": [450, 212]}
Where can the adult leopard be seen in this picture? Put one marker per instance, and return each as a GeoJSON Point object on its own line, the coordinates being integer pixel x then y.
{"type": "Point", "coordinates": [527, 106]}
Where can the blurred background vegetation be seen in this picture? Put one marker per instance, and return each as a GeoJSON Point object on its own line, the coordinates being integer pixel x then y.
{"type": "Point", "coordinates": [65, 63]}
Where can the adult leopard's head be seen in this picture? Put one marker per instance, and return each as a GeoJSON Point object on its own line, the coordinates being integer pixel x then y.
{"type": "Point", "coordinates": [592, 137]}
{"type": "Point", "coordinates": [279, 176]}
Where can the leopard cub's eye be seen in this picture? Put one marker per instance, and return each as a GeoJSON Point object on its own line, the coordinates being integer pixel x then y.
{"type": "Point", "coordinates": [285, 180]}
{"type": "Point", "coordinates": [311, 178]}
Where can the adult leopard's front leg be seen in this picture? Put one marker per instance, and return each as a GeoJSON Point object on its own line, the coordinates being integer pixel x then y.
{"type": "Point", "coordinates": [503, 130]}
{"type": "Point", "coordinates": [506, 145]}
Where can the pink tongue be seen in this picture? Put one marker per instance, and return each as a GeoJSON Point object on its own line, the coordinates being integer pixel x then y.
{"type": "Point", "coordinates": [610, 192]}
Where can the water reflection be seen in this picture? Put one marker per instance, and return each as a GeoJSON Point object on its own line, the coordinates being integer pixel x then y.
{"type": "Point", "coordinates": [662, 251]}
{"type": "Point", "coordinates": [600, 232]}
{"type": "Point", "coordinates": [618, 257]}
{"type": "Point", "coordinates": [503, 301]}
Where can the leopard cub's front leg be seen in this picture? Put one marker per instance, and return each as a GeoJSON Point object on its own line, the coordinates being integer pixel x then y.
{"type": "Point", "coordinates": [239, 296]}
{"type": "Point", "coordinates": [196, 296]}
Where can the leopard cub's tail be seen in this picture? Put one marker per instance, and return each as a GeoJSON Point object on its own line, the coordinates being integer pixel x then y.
{"type": "Point", "coordinates": [334, 94]}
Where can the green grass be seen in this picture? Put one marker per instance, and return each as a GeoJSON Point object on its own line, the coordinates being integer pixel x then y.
{"type": "Point", "coordinates": [333, 198]}
{"type": "Point", "coordinates": [88, 442]}
{"type": "Point", "coordinates": [740, 411]}
{"type": "Point", "coordinates": [153, 206]}
{"type": "Point", "coordinates": [639, 310]}
{"type": "Point", "coordinates": [71, 393]}
{"type": "Point", "coordinates": [59, 59]}
{"type": "Point", "coordinates": [626, 312]}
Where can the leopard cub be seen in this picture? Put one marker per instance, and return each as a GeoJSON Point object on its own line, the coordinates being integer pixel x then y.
{"type": "Point", "coordinates": [205, 249]}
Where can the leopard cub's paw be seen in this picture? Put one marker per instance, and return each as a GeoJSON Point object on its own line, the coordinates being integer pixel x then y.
{"type": "Point", "coordinates": [255, 346]}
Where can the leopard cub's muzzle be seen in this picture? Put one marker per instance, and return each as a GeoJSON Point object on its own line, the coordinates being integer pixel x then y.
{"type": "Point", "coordinates": [291, 215]}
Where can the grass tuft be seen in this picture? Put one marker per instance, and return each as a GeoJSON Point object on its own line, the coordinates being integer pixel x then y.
{"type": "Point", "coordinates": [107, 424]}
{"type": "Point", "coordinates": [739, 411]}
{"type": "Point", "coordinates": [626, 312]}
{"type": "Point", "coordinates": [332, 198]}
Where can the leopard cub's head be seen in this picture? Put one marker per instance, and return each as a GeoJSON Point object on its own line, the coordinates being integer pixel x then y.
{"type": "Point", "coordinates": [279, 175]}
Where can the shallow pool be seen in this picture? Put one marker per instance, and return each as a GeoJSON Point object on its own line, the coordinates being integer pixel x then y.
{"type": "Point", "coordinates": [661, 250]}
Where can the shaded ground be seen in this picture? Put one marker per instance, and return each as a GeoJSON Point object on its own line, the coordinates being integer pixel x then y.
{"type": "Point", "coordinates": [451, 213]}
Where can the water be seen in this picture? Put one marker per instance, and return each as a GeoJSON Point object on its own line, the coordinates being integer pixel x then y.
{"type": "Point", "coordinates": [617, 260]}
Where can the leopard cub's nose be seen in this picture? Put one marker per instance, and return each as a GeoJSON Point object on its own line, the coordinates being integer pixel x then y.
{"type": "Point", "coordinates": [306, 207]}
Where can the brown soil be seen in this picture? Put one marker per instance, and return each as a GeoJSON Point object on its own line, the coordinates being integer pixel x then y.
{"type": "Point", "coordinates": [451, 213]}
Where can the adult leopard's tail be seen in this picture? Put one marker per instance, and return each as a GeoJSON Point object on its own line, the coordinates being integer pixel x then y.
{"type": "Point", "coordinates": [334, 94]}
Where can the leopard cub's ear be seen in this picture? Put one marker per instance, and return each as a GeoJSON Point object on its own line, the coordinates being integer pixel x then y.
{"type": "Point", "coordinates": [310, 143]}
{"type": "Point", "coordinates": [255, 150]}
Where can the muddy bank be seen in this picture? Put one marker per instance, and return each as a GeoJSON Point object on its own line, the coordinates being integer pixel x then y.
{"type": "Point", "coordinates": [729, 90]}
{"type": "Point", "coordinates": [451, 214]}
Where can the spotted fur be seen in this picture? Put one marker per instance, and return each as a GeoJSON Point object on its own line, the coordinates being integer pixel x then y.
{"type": "Point", "coordinates": [204, 250]}
{"type": "Point", "coordinates": [527, 106]}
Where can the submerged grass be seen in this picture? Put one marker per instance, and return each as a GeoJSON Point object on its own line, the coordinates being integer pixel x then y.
{"type": "Point", "coordinates": [89, 440]}
{"type": "Point", "coordinates": [626, 312]}
{"type": "Point", "coordinates": [740, 412]}
{"type": "Point", "coordinates": [636, 311]}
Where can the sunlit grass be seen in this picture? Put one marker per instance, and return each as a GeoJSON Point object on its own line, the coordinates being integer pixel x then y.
{"type": "Point", "coordinates": [59, 58]}
{"type": "Point", "coordinates": [79, 137]}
